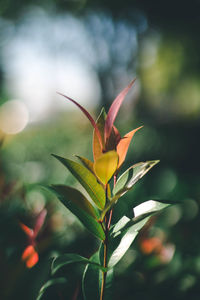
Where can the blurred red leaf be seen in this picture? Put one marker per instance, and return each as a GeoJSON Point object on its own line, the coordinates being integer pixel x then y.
{"type": "Point", "coordinates": [30, 256]}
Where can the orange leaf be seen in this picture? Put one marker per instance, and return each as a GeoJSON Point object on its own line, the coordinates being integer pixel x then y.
{"type": "Point", "coordinates": [30, 256]}
{"type": "Point", "coordinates": [123, 145]}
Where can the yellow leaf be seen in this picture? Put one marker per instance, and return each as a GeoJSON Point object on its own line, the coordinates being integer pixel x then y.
{"type": "Point", "coordinates": [106, 165]}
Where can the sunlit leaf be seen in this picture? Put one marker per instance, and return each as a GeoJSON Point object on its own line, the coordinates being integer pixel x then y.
{"type": "Point", "coordinates": [125, 230]}
{"type": "Point", "coordinates": [70, 258]}
{"type": "Point", "coordinates": [112, 113]}
{"type": "Point", "coordinates": [86, 179]}
{"type": "Point", "coordinates": [150, 206]}
{"type": "Point", "coordinates": [80, 207]}
{"type": "Point", "coordinates": [123, 145]}
{"type": "Point", "coordinates": [86, 162]}
{"type": "Point", "coordinates": [106, 165]}
{"type": "Point", "coordinates": [127, 180]}
{"type": "Point", "coordinates": [48, 285]}
{"type": "Point", "coordinates": [121, 240]}
{"type": "Point", "coordinates": [88, 116]}
{"type": "Point", "coordinates": [140, 212]}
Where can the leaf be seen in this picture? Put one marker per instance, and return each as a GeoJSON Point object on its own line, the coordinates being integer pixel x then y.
{"type": "Point", "coordinates": [88, 116]}
{"type": "Point", "coordinates": [48, 285]}
{"type": "Point", "coordinates": [123, 145]}
{"type": "Point", "coordinates": [150, 206]}
{"type": "Point", "coordinates": [120, 243]}
{"type": "Point", "coordinates": [113, 140]}
{"type": "Point", "coordinates": [100, 123]}
{"type": "Point", "coordinates": [77, 198]}
{"type": "Point", "coordinates": [29, 232]}
{"type": "Point", "coordinates": [106, 165]}
{"type": "Point", "coordinates": [70, 258]}
{"type": "Point", "coordinates": [92, 278]}
{"type": "Point", "coordinates": [86, 179]}
{"type": "Point", "coordinates": [112, 113]}
{"type": "Point", "coordinates": [30, 256]}
{"type": "Point", "coordinates": [39, 221]}
{"type": "Point", "coordinates": [87, 163]}
{"type": "Point", "coordinates": [141, 211]}
{"type": "Point", "coordinates": [127, 180]}
{"type": "Point", "coordinates": [80, 207]}
{"type": "Point", "coordinates": [125, 230]}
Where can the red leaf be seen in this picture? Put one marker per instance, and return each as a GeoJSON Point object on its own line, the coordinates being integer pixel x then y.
{"type": "Point", "coordinates": [88, 116]}
{"type": "Point", "coordinates": [29, 232]}
{"type": "Point", "coordinates": [112, 113]}
{"type": "Point", "coordinates": [123, 145]}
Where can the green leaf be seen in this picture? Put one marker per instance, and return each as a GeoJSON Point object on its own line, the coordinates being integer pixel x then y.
{"type": "Point", "coordinates": [125, 230]}
{"type": "Point", "coordinates": [106, 165]}
{"type": "Point", "coordinates": [127, 180]}
{"type": "Point", "coordinates": [80, 207]}
{"type": "Point", "coordinates": [86, 179]}
{"type": "Point", "coordinates": [71, 258]}
{"type": "Point", "coordinates": [141, 211]}
{"type": "Point", "coordinates": [150, 206]}
{"type": "Point", "coordinates": [77, 198]}
{"type": "Point", "coordinates": [87, 163]}
{"type": "Point", "coordinates": [50, 285]}
{"type": "Point", "coordinates": [92, 278]}
{"type": "Point", "coordinates": [120, 243]}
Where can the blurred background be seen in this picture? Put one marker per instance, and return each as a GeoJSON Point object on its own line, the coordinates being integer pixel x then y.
{"type": "Point", "coordinates": [90, 50]}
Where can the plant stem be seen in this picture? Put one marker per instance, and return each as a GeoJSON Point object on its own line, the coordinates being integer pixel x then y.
{"type": "Point", "coordinates": [107, 219]}
{"type": "Point", "coordinates": [104, 274]}
{"type": "Point", "coordinates": [105, 246]}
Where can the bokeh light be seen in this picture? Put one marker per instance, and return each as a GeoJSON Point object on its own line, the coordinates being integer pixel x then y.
{"type": "Point", "coordinates": [14, 117]}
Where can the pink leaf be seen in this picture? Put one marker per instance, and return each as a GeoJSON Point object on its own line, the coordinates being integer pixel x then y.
{"type": "Point", "coordinates": [112, 113]}
{"type": "Point", "coordinates": [39, 221]}
{"type": "Point", "coordinates": [88, 116]}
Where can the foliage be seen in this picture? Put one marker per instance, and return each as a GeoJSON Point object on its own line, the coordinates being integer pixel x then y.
{"type": "Point", "coordinates": [99, 179]}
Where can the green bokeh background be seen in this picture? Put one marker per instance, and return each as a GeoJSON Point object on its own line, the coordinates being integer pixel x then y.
{"type": "Point", "coordinates": [166, 100]}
